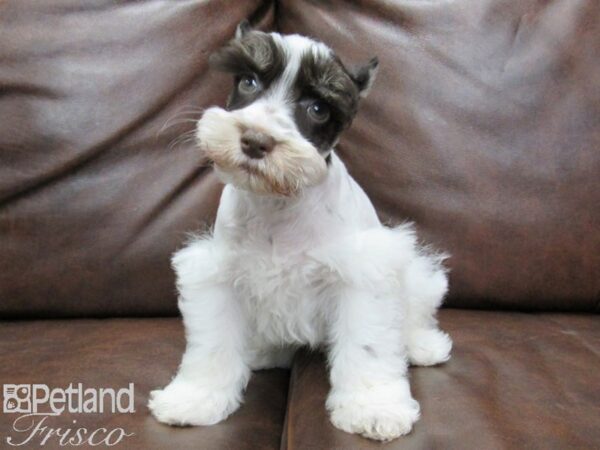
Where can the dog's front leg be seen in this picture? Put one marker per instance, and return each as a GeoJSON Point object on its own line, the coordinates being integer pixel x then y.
{"type": "Point", "coordinates": [213, 374]}
{"type": "Point", "coordinates": [370, 393]}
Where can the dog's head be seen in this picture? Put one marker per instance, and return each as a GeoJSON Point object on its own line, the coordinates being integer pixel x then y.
{"type": "Point", "coordinates": [291, 98]}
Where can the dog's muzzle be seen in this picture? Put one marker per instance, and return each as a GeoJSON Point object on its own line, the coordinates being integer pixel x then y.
{"type": "Point", "coordinates": [254, 150]}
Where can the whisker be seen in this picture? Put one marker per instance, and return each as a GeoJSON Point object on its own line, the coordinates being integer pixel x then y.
{"type": "Point", "coordinates": [177, 118]}
{"type": "Point", "coordinates": [184, 138]}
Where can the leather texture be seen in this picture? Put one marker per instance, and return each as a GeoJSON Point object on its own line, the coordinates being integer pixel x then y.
{"type": "Point", "coordinates": [115, 352]}
{"type": "Point", "coordinates": [99, 179]}
{"type": "Point", "coordinates": [483, 128]}
{"type": "Point", "coordinates": [515, 381]}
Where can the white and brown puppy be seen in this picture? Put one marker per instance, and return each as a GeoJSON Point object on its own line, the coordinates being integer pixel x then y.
{"type": "Point", "coordinates": [298, 256]}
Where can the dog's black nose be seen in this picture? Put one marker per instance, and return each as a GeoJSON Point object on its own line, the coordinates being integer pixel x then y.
{"type": "Point", "coordinates": [256, 144]}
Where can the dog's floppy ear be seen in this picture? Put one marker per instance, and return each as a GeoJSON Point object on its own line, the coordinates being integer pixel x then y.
{"type": "Point", "coordinates": [364, 76]}
{"type": "Point", "coordinates": [242, 29]}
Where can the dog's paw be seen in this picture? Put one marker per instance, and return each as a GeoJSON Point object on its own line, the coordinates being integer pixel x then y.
{"type": "Point", "coordinates": [183, 404]}
{"type": "Point", "coordinates": [379, 421]}
{"type": "Point", "coordinates": [428, 347]}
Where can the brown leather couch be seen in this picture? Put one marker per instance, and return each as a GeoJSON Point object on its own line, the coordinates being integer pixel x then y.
{"type": "Point", "coordinates": [483, 127]}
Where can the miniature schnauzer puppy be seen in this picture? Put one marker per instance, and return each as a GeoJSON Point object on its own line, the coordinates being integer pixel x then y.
{"type": "Point", "coordinates": [298, 255]}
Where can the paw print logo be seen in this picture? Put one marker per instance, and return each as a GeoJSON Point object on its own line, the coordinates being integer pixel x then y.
{"type": "Point", "coordinates": [17, 398]}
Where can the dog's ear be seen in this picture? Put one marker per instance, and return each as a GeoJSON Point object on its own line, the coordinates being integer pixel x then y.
{"type": "Point", "coordinates": [228, 57]}
{"type": "Point", "coordinates": [242, 29]}
{"type": "Point", "coordinates": [364, 76]}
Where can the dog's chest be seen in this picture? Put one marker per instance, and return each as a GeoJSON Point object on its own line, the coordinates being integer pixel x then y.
{"type": "Point", "coordinates": [282, 288]}
{"type": "Point", "coordinates": [273, 254]}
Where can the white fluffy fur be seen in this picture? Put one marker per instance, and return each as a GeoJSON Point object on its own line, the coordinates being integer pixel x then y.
{"type": "Point", "coordinates": [299, 257]}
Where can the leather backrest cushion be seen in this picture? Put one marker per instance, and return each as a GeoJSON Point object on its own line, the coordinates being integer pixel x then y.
{"type": "Point", "coordinates": [95, 191]}
{"type": "Point", "coordinates": [483, 127]}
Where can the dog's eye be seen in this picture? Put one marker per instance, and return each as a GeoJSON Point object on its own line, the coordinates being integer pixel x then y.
{"type": "Point", "coordinates": [318, 111]}
{"type": "Point", "coordinates": [248, 84]}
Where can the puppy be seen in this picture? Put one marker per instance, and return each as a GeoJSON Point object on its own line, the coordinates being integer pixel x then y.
{"type": "Point", "coordinates": [298, 256]}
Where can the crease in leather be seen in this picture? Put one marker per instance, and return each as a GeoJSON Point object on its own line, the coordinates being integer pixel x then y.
{"type": "Point", "coordinates": [197, 174]}
{"type": "Point", "coordinates": [85, 157]}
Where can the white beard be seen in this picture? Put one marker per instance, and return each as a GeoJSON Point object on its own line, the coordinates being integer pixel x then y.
{"type": "Point", "coordinates": [295, 164]}
{"type": "Point", "coordinates": [316, 268]}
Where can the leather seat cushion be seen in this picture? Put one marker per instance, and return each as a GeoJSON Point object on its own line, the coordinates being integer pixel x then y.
{"type": "Point", "coordinates": [114, 353]}
{"type": "Point", "coordinates": [515, 381]}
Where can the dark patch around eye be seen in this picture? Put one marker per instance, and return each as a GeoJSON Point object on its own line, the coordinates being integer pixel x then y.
{"type": "Point", "coordinates": [255, 53]}
{"type": "Point", "coordinates": [238, 99]}
{"type": "Point", "coordinates": [324, 78]}
{"type": "Point", "coordinates": [321, 135]}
